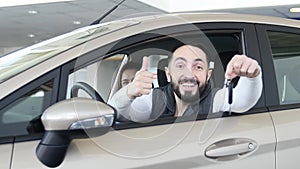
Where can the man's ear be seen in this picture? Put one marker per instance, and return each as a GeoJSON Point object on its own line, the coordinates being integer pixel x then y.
{"type": "Point", "coordinates": [209, 72]}
{"type": "Point", "coordinates": [167, 72]}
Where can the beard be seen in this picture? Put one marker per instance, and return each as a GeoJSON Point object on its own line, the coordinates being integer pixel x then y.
{"type": "Point", "coordinates": [188, 96]}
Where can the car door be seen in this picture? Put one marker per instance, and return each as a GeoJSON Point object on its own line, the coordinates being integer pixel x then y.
{"type": "Point", "coordinates": [20, 125]}
{"type": "Point", "coordinates": [216, 141]}
{"type": "Point", "coordinates": [281, 51]}
{"type": "Point", "coordinates": [6, 152]}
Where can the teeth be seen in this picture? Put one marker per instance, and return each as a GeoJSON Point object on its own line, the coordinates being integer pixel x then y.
{"type": "Point", "coordinates": [188, 85]}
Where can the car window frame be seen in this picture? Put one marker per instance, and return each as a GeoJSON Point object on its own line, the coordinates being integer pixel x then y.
{"type": "Point", "coordinates": [52, 75]}
{"type": "Point", "coordinates": [251, 50]}
{"type": "Point", "coordinates": [269, 80]}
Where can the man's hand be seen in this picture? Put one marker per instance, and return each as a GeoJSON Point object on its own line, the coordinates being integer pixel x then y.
{"type": "Point", "coordinates": [241, 65]}
{"type": "Point", "coordinates": [142, 82]}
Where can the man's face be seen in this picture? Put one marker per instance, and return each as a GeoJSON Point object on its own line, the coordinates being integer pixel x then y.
{"type": "Point", "coordinates": [127, 76]}
{"type": "Point", "coordinates": [188, 73]}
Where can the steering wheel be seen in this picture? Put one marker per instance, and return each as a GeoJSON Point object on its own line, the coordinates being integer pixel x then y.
{"type": "Point", "coordinates": [88, 89]}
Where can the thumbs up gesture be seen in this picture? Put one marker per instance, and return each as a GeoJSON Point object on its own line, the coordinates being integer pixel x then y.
{"type": "Point", "coordinates": [142, 82]}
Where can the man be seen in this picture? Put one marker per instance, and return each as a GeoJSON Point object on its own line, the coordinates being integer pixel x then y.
{"type": "Point", "coordinates": [189, 91]}
{"type": "Point", "coordinates": [127, 73]}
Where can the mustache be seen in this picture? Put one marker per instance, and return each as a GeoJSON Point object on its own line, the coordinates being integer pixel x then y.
{"type": "Point", "coordinates": [188, 80]}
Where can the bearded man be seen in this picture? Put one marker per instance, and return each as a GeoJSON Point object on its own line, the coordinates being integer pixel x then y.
{"type": "Point", "coordinates": [189, 91]}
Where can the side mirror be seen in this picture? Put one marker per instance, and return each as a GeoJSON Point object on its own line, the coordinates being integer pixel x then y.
{"type": "Point", "coordinates": [70, 119]}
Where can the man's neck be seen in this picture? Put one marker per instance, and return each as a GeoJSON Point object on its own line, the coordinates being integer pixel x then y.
{"type": "Point", "coordinates": [180, 106]}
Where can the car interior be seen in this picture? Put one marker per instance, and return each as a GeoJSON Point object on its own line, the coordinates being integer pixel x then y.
{"type": "Point", "coordinates": [286, 76]}
{"type": "Point", "coordinates": [103, 75]}
{"type": "Point", "coordinates": [285, 51]}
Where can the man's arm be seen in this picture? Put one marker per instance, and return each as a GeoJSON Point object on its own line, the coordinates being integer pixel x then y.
{"type": "Point", "coordinates": [248, 90]}
{"type": "Point", "coordinates": [134, 101]}
{"type": "Point", "coordinates": [137, 110]}
{"type": "Point", "coordinates": [245, 95]}
{"type": "Point", "coordinates": [121, 103]}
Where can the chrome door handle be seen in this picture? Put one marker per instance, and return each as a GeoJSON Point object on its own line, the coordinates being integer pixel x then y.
{"type": "Point", "coordinates": [233, 148]}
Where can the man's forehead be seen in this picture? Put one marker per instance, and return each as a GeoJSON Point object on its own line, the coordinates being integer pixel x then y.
{"type": "Point", "coordinates": [190, 52]}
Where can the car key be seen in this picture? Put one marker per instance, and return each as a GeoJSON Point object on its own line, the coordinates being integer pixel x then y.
{"type": "Point", "coordinates": [229, 85]}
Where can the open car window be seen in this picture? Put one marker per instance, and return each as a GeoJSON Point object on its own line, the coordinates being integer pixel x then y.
{"type": "Point", "coordinates": [223, 45]}
{"type": "Point", "coordinates": [100, 76]}
{"type": "Point", "coordinates": [104, 76]}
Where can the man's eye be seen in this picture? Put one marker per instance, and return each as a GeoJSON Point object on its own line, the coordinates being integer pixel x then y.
{"type": "Point", "coordinates": [198, 67]}
{"type": "Point", "coordinates": [125, 83]}
{"type": "Point", "coordinates": [180, 66]}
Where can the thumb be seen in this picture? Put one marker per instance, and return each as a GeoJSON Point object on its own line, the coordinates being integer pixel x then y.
{"type": "Point", "coordinates": [145, 63]}
{"type": "Point", "coordinates": [229, 71]}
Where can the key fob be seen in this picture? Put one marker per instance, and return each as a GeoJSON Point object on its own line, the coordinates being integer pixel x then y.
{"type": "Point", "coordinates": [229, 85]}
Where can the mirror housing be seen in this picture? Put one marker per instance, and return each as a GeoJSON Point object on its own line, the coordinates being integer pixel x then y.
{"type": "Point", "coordinates": [71, 119]}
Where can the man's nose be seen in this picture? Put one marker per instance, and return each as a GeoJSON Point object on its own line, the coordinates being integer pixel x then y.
{"type": "Point", "coordinates": [188, 72]}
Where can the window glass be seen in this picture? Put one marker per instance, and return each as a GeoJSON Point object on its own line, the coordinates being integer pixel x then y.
{"type": "Point", "coordinates": [222, 45]}
{"type": "Point", "coordinates": [16, 62]}
{"type": "Point", "coordinates": [105, 77]}
{"type": "Point", "coordinates": [286, 56]}
{"type": "Point", "coordinates": [18, 114]}
{"type": "Point", "coordinates": [99, 76]}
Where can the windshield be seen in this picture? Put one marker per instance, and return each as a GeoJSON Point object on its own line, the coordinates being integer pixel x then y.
{"type": "Point", "coordinates": [17, 62]}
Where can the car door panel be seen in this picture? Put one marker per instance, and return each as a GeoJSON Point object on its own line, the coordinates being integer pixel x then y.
{"type": "Point", "coordinates": [282, 95]}
{"type": "Point", "coordinates": [181, 145]}
{"type": "Point", "coordinates": [5, 155]}
{"type": "Point", "coordinates": [288, 138]}
{"type": "Point", "coordinates": [24, 156]}
{"type": "Point", "coordinates": [177, 145]}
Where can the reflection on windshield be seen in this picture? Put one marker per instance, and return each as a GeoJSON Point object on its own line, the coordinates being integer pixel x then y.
{"type": "Point", "coordinates": [14, 63]}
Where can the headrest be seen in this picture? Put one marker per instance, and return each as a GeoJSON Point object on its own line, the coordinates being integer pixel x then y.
{"type": "Point", "coordinates": [161, 75]}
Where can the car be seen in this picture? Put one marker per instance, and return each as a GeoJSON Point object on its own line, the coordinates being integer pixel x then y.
{"type": "Point", "coordinates": [54, 109]}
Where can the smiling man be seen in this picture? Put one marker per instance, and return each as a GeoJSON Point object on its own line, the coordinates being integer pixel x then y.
{"type": "Point", "coordinates": [189, 91]}
{"type": "Point", "coordinates": [189, 75]}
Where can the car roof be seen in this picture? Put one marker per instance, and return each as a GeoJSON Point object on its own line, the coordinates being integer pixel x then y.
{"type": "Point", "coordinates": [139, 25]}
{"type": "Point", "coordinates": [224, 17]}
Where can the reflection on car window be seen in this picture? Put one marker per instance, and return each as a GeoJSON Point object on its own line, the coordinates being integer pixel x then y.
{"type": "Point", "coordinates": [286, 57]}
{"type": "Point", "coordinates": [21, 60]}
{"type": "Point", "coordinates": [100, 76]}
{"type": "Point", "coordinates": [24, 109]}
{"type": "Point", "coordinates": [223, 45]}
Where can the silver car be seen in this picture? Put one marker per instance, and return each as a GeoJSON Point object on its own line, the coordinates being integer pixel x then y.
{"type": "Point", "coordinates": [54, 96]}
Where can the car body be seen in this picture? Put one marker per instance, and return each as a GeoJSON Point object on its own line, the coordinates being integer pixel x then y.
{"type": "Point", "coordinates": [36, 84]}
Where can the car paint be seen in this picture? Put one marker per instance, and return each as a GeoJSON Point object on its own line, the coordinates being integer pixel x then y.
{"type": "Point", "coordinates": [113, 151]}
{"type": "Point", "coordinates": [5, 155]}
{"type": "Point", "coordinates": [287, 135]}
{"type": "Point", "coordinates": [146, 23]}
{"type": "Point", "coordinates": [121, 149]}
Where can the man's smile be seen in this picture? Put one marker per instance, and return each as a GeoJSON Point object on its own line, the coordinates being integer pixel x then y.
{"type": "Point", "coordinates": [188, 85]}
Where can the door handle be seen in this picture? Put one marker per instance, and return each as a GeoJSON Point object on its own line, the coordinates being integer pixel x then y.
{"type": "Point", "coordinates": [233, 148]}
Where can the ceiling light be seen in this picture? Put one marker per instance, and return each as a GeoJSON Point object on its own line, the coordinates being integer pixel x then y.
{"type": "Point", "coordinates": [76, 22]}
{"type": "Point", "coordinates": [31, 35]}
{"type": "Point", "coordinates": [33, 12]}
{"type": "Point", "coordinates": [27, 2]}
{"type": "Point", "coordinates": [295, 9]}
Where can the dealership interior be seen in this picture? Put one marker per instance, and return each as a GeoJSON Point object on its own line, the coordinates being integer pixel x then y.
{"type": "Point", "coordinates": [27, 22]}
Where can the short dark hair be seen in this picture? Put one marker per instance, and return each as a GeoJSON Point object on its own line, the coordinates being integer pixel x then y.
{"type": "Point", "coordinates": [129, 65]}
{"type": "Point", "coordinates": [208, 52]}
